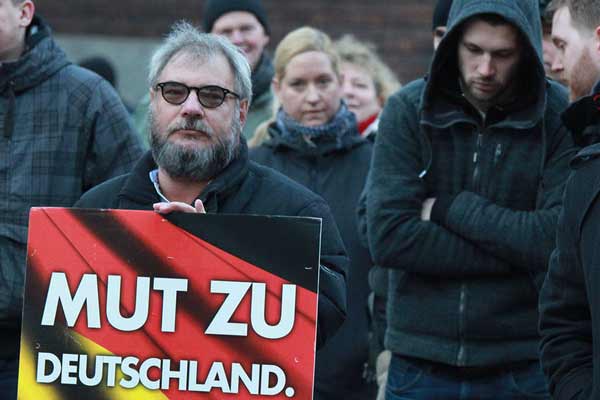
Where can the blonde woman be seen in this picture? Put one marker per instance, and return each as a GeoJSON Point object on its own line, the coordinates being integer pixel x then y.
{"type": "Point", "coordinates": [313, 138]}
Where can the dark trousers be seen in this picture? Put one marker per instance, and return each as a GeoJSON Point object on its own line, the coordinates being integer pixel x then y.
{"type": "Point", "coordinates": [417, 379]}
{"type": "Point", "coordinates": [9, 372]}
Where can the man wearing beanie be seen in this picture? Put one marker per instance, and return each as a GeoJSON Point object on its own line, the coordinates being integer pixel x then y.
{"type": "Point", "coordinates": [244, 23]}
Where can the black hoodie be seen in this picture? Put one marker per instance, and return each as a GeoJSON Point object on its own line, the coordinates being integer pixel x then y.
{"type": "Point", "coordinates": [464, 285]}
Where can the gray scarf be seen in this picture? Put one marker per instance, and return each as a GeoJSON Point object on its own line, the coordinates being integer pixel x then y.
{"type": "Point", "coordinates": [342, 124]}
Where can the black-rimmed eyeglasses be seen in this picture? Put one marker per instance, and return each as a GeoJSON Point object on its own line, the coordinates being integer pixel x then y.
{"type": "Point", "coordinates": [211, 96]}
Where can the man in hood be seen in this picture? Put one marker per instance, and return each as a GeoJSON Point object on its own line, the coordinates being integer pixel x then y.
{"type": "Point", "coordinates": [463, 197]}
{"type": "Point", "coordinates": [569, 302]}
{"type": "Point", "coordinates": [245, 24]}
{"type": "Point", "coordinates": [63, 130]}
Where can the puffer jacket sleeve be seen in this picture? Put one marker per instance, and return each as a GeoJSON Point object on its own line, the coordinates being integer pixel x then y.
{"type": "Point", "coordinates": [509, 234]}
{"type": "Point", "coordinates": [333, 273]}
{"type": "Point", "coordinates": [113, 145]}
{"type": "Point", "coordinates": [398, 238]}
{"type": "Point", "coordinates": [565, 321]}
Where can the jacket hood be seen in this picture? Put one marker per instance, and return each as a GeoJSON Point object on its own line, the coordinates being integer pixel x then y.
{"type": "Point", "coordinates": [42, 59]}
{"type": "Point", "coordinates": [524, 15]}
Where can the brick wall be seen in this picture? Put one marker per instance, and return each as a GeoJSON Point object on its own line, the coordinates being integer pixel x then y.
{"type": "Point", "coordinates": [399, 28]}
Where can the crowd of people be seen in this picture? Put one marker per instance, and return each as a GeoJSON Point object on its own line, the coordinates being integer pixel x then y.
{"type": "Point", "coordinates": [460, 210]}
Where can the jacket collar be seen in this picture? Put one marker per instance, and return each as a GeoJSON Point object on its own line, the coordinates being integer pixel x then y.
{"type": "Point", "coordinates": [139, 191]}
{"type": "Point", "coordinates": [582, 118]}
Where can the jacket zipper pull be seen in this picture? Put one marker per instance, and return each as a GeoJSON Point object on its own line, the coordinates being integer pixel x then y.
{"type": "Point", "coordinates": [498, 153]}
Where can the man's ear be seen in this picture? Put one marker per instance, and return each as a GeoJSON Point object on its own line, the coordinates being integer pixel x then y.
{"type": "Point", "coordinates": [27, 13]}
{"type": "Point", "coordinates": [243, 111]}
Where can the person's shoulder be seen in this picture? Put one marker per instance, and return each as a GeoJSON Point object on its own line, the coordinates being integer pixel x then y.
{"type": "Point", "coordinates": [408, 96]}
{"type": "Point", "coordinates": [557, 97]}
{"type": "Point", "coordinates": [76, 75]}
{"type": "Point", "coordinates": [262, 153]}
{"type": "Point", "coordinates": [105, 195]}
{"type": "Point", "coordinates": [280, 190]}
{"type": "Point", "coordinates": [84, 85]}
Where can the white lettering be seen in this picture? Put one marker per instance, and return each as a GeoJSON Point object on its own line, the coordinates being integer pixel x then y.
{"type": "Point", "coordinates": [258, 309]}
{"type": "Point", "coordinates": [41, 375]}
{"type": "Point", "coordinates": [220, 324]}
{"type": "Point", "coordinates": [169, 287]}
{"type": "Point", "coordinates": [113, 304]}
{"type": "Point", "coordinates": [86, 293]}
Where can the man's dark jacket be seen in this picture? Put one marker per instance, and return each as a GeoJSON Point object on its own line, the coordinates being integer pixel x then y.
{"type": "Point", "coordinates": [464, 285]}
{"type": "Point", "coordinates": [245, 187]}
{"type": "Point", "coordinates": [570, 297]}
{"type": "Point", "coordinates": [336, 169]}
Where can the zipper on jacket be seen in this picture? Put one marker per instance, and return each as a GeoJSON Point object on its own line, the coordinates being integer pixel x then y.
{"type": "Point", "coordinates": [460, 357]}
{"type": "Point", "coordinates": [462, 305]}
{"type": "Point", "coordinates": [476, 172]}
{"type": "Point", "coordinates": [497, 153]}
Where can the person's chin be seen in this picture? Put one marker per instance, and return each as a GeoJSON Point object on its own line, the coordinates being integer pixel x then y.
{"type": "Point", "coordinates": [313, 119]}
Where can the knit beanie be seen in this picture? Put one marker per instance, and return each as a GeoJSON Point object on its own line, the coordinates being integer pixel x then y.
{"type": "Point", "coordinates": [440, 13]}
{"type": "Point", "coordinates": [214, 9]}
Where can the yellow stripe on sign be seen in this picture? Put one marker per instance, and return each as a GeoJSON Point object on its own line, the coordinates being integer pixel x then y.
{"type": "Point", "coordinates": [117, 393]}
{"type": "Point", "coordinates": [30, 390]}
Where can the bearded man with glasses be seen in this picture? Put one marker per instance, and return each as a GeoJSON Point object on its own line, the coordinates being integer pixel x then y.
{"type": "Point", "coordinates": [200, 91]}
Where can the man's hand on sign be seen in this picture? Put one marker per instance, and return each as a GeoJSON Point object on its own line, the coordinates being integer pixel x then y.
{"type": "Point", "coordinates": [166, 208]}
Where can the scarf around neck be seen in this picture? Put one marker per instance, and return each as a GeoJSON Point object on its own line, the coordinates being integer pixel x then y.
{"type": "Point", "coordinates": [342, 124]}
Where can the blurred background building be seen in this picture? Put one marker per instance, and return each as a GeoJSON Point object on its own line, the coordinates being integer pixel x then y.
{"type": "Point", "coordinates": [125, 32]}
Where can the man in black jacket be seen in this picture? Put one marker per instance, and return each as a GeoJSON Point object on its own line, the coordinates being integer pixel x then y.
{"type": "Point", "coordinates": [569, 302]}
{"type": "Point", "coordinates": [463, 197]}
{"type": "Point", "coordinates": [200, 93]}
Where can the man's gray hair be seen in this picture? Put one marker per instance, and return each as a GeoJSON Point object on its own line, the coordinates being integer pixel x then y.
{"type": "Point", "coordinates": [186, 39]}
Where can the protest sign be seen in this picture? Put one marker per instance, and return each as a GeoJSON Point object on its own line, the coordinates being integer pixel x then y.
{"type": "Point", "coordinates": [134, 305]}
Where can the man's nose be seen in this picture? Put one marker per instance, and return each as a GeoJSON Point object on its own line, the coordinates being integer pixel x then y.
{"type": "Point", "coordinates": [557, 65]}
{"type": "Point", "coordinates": [236, 37]}
{"type": "Point", "coordinates": [486, 66]}
{"type": "Point", "coordinates": [191, 106]}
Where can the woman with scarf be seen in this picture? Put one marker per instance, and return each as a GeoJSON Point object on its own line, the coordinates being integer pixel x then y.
{"type": "Point", "coordinates": [313, 138]}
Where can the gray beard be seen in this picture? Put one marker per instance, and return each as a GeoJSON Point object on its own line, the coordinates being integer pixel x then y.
{"type": "Point", "coordinates": [198, 163]}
